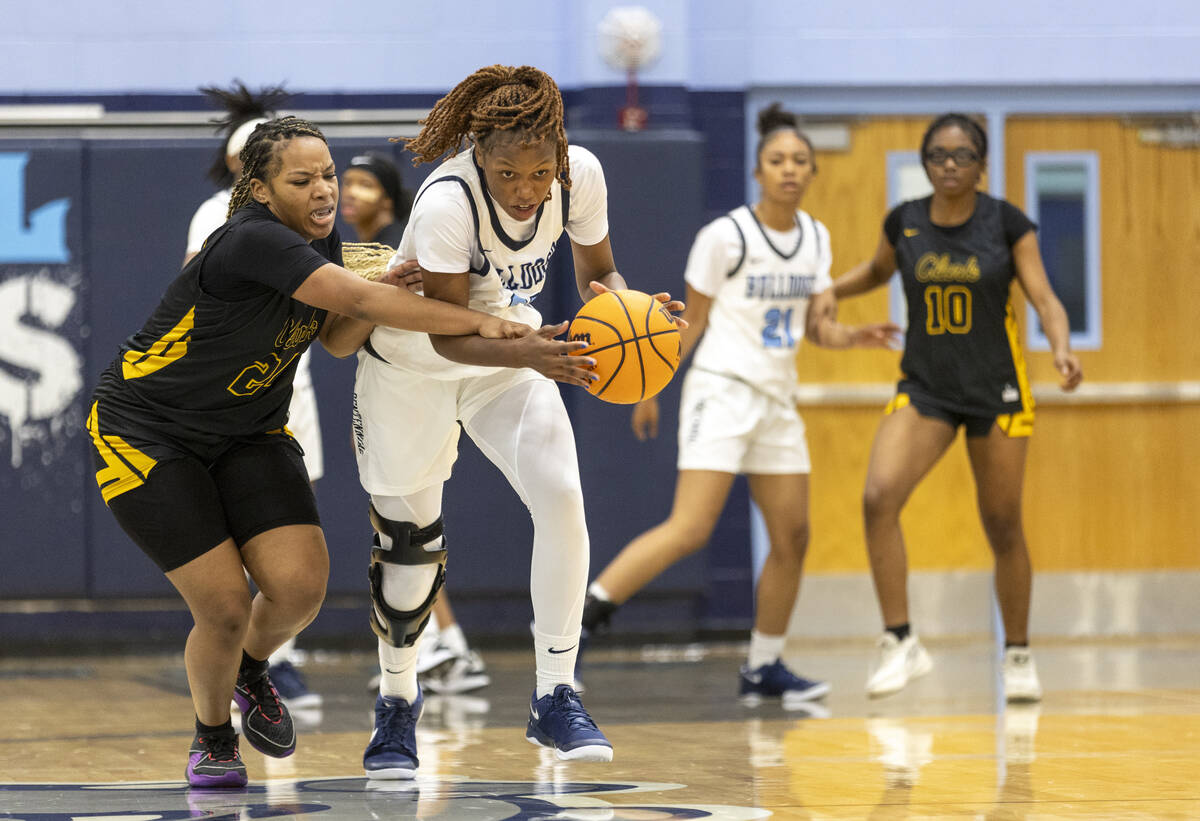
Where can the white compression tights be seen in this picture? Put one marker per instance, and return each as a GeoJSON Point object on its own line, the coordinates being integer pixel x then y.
{"type": "Point", "coordinates": [526, 433]}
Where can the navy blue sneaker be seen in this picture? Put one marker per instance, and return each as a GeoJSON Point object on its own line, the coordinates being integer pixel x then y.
{"type": "Point", "coordinates": [560, 722]}
{"type": "Point", "coordinates": [775, 680]}
{"type": "Point", "coordinates": [292, 688]}
{"type": "Point", "coordinates": [392, 751]}
{"type": "Point", "coordinates": [266, 722]}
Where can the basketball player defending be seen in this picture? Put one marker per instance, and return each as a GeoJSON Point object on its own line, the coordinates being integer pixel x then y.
{"type": "Point", "coordinates": [483, 228]}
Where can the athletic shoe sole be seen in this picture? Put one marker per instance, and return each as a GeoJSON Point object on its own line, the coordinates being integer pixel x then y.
{"type": "Point", "coordinates": [587, 752]}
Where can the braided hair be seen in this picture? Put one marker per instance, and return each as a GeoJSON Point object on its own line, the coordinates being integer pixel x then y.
{"type": "Point", "coordinates": [260, 156]}
{"type": "Point", "coordinates": [241, 105]}
{"type": "Point", "coordinates": [524, 102]}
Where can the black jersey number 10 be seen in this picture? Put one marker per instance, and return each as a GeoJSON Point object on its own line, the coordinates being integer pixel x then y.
{"type": "Point", "coordinates": [947, 309]}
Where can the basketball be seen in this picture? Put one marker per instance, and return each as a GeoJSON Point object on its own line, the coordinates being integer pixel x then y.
{"type": "Point", "coordinates": [634, 341]}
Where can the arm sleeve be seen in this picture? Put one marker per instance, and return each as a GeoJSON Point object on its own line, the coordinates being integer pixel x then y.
{"type": "Point", "coordinates": [443, 229]}
{"type": "Point", "coordinates": [1016, 224]}
{"type": "Point", "coordinates": [208, 218]}
{"type": "Point", "coordinates": [892, 226]}
{"type": "Point", "coordinates": [587, 222]}
{"type": "Point", "coordinates": [261, 251]}
{"type": "Point", "coordinates": [715, 252]}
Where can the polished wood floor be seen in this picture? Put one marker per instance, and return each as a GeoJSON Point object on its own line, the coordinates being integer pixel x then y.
{"type": "Point", "coordinates": [1116, 737]}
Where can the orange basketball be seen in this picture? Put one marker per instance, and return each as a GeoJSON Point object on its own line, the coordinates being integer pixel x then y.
{"type": "Point", "coordinates": [634, 341]}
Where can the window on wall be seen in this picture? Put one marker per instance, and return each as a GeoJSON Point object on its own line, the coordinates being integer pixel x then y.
{"type": "Point", "coordinates": [1062, 195]}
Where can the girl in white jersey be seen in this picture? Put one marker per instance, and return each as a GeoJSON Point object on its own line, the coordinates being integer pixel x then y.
{"type": "Point", "coordinates": [483, 228]}
{"type": "Point", "coordinates": [757, 283]}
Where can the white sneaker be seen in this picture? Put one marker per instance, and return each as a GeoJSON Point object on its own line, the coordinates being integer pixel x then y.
{"type": "Point", "coordinates": [460, 674]}
{"type": "Point", "coordinates": [431, 653]}
{"type": "Point", "coordinates": [1020, 676]}
{"type": "Point", "coordinates": [899, 662]}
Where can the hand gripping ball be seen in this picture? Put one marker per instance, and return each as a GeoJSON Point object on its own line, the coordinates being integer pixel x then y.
{"type": "Point", "coordinates": [634, 341]}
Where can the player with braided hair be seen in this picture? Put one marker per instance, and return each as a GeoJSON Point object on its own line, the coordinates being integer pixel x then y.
{"type": "Point", "coordinates": [243, 110]}
{"type": "Point", "coordinates": [188, 431]}
{"type": "Point", "coordinates": [483, 228]}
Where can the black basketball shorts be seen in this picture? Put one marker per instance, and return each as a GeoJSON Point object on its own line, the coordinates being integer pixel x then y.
{"type": "Point", "coordinates": [177, 505]}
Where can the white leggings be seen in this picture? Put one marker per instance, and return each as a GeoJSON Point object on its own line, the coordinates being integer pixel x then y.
{"type": "Point", "coordinates": [526, 433]}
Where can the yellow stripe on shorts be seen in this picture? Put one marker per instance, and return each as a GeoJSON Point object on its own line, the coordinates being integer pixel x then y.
{"type": "Point", "coordinates": [126, 466]}
{"type": "Point", "coordinates": [899, 401]}
{"type": "Point", "coordinates": [1016, 425]}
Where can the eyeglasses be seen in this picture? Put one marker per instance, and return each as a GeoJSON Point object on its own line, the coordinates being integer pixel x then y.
{"type": "Point", "coordinates": [961, 156]}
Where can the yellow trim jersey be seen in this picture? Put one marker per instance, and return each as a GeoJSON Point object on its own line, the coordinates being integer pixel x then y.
{"type": "Point", "coordinates": [962, 348]}
{"type": "Point", "coordinates": [218, 355]}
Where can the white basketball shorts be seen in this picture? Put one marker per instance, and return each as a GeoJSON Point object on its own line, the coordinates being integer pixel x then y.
{"type": "Point", "coordinates": [303, 421]}
{"type": "Point", "coordinates": [729, 426]}
{"type": "Point", "coordinates": [406, 423]}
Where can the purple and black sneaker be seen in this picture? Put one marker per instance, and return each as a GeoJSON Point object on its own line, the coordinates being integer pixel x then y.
{"type": "Point", "coordinates": [266, 722]}
{"type": "Point", "coordinates": [214, 761]}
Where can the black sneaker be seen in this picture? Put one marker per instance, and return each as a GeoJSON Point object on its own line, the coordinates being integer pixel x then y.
{"type": "Point", "coordinates": [266, 722]}
{"type": "Point", "coordinates": [214, 761]}
{"type": "Point", "coordinates": [596, 615]}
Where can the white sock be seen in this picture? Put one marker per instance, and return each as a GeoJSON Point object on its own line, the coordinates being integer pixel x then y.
{"type": "Point", "coordinates": [284, 653]}
{"type": "Point", "coordinates": [599, 592]}
{"type": "Point", "coordinates": [555, 660]}
{"type": "Point", "coordinates": [764, 649]}
{"type": "Point", "coordinates": [453, 638]}
{"type": "Point", "coordinates": [398, 671]}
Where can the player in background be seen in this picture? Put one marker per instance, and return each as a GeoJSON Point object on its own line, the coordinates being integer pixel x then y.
{"type": "Point", "coordinates": [958, 252]}
{"type": "Point", "coordinates": [374, 201]}
{"type": "Point", "coordinates": [757, 284]}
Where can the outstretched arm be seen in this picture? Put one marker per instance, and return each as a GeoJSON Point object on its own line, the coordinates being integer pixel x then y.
{"type": "Point", "coordinates": [342, 335]}
{"type": "Point", "coordinates": [335, 289]}
{"type": "Point", "coordinates": [823, 328]}
{"type": "Point", "coordinates": [868, 275]}
{"type": "Point", "coordinates": [538, 350]}
{"type": "Point", "coordinates": [1031, 273]}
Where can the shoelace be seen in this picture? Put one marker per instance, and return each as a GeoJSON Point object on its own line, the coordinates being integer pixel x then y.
{"type": "Point", "coordinates": [267, 696]}
{"type": "Point", "coordinates": [564, 699]}
{"type": "Point", "coordinates": [220, 747]}
{"type": "Point", "coordinates": [396, 728]}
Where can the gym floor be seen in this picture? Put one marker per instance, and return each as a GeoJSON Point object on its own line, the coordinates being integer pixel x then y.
{"type": "Point", "coordinates": [1116, 737]}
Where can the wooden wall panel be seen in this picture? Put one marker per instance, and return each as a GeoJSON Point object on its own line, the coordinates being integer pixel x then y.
{"type": "Point", "coordinates": [1149, 245]}
{"type": "Point", "coordinates": [849, 195]}
{"type": "Point", "coordinates": [1108, 487]}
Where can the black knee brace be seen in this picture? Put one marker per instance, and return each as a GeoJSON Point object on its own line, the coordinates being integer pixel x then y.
{"type": "Point", "coordinates": [407, 545]}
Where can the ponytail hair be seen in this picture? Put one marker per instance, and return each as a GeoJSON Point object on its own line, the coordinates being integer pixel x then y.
{"type": "Point", "coordinates": [773, 119]}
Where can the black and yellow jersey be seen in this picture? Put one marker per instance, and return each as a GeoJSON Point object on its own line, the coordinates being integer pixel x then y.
{"type": "Point", "coordinates": [962, 347]}
{"type": "Point", "coordinates": [218, 355]}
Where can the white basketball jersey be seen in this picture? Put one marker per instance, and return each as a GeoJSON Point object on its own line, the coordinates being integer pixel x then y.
{"type": "Point", "coordinates": [506, 274]}
{"type": "Point", "coordinates": [760, 298]}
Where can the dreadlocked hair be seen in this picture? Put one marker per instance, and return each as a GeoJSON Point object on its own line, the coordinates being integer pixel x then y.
{"type": "Point", "coordinates": [523, 101]}
{"type": "Point", "coordinates": [260, 157]}
{"type": "Point", "coordinates": [367, 259]}
{"type": "Point", "coordinates": [240, 105]}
